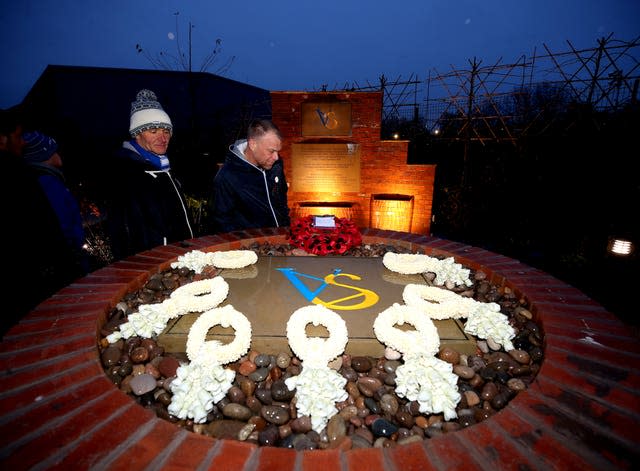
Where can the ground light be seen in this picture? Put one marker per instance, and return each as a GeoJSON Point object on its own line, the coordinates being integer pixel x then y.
{"type": "Point", "coordinates": [620, 247]}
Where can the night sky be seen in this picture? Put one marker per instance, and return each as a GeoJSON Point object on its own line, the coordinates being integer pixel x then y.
{"type": "Point", "coordinates": [297, 45]}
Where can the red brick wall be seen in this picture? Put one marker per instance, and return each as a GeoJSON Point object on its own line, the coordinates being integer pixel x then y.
{"type": "Point", "coordinates": [384, 167]}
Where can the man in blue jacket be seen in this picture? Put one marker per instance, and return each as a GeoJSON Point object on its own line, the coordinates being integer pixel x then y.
{"type": "Point", "coordinates": [250, 190]}
{"type": "Point", "coordinates": [146, 205]}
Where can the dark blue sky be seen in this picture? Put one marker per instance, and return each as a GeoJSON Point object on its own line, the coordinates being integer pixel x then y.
{"type": "Point", "coordinates": [299, 45]}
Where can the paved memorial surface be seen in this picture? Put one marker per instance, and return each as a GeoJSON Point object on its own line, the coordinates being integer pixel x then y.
{"type": "Point", "coordinates": [268, 292]}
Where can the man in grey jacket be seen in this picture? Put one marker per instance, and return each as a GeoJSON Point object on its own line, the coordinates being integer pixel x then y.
{"type": "Point", "coordinates": [250, 190]}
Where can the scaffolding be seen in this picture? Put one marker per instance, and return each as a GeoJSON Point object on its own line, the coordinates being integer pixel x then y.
{"type": "Point", "coordinates": [504, 102]}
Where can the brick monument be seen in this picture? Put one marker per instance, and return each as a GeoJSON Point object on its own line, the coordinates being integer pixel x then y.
{"type": "Point", "coordinates": [336, 163]}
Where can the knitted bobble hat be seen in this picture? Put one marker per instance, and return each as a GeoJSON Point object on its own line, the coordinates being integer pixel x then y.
{"type": "Point", "coordinates": [38, 147]}
{"type": "Point", "coordinates": [147, 113]}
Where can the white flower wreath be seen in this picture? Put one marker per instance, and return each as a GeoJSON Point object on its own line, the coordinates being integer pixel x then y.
{"type": "Point", "coordinates": [234, 258]}
{"type": "Point", "coordinates": [152, 319]}
{"type": "Point", "coordinates": [204, 382]}
{"type": "Point", "coordinates": [316, 351]}
{"type": "Point", "coordinates": [406, 263]}
{"type": "Point", "coordinates": [199, 296]}
{"type": "Point", "coordinates": [437, 303]}
{"type": "Point", "coordinates": [484, 320]}
{"type": "Point", "coordinates": [317, 387]}
{"type": "Point", "coordinates": [422, 378]}
{"type": "Point", "coordinates": [213, 352]}
{"type": "Point", "coordinates": [196, 260]}
{"type": "Point", "coordinates": [424, 340]}
{"type": "Point", "coordinates": [410, 264]}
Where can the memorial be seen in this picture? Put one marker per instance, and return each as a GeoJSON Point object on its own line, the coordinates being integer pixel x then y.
{"type": "Point", "coordinates": [577, 413]}
{"type": "Point", "coordinates": [334, 158]}
{"type": "Point", "coordinates": [61, 411]}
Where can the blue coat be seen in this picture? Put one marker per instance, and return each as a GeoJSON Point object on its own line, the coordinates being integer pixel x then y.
{"type": "Point", "coordinates": [64, 204]}
{"type": "Point", "coordinates": [245, 196]}
{"type": "Point", "coordinates": [67, 210]}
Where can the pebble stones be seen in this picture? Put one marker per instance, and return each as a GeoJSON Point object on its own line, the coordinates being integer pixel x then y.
{"type": "Point", "coordinates": [142, 384]}
{"type": "Point", "coordinates": [260, 409]}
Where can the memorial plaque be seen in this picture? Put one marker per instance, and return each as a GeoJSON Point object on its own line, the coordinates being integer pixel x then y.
{"type": "Point", "coordinates": [356, 288]}
{"type": "Point", "coordinates": [325, 168]}
{"type": "Point", "coordinates": [326, 119]}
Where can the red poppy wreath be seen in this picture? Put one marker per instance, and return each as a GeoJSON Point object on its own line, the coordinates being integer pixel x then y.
{"type": "Point", "coordinates": [315, 240]}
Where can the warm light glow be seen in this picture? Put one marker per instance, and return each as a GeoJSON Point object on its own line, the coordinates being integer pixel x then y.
{"type": "Point", "coordinates": [396, 135]}
{"type": "Point", "coordinates": [392, 212]}
{"type": "Point", "coordinates": [620, 246]}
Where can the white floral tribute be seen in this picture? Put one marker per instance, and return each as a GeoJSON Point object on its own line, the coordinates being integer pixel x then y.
{"type": "Point", "coordinates": [152, 319]}
{"type": "Point", "coordinates": [318, 387]}
{"type": "Point", "coordinates": [203, 382]}
{"type": "Point", "coordinates": [234, 258]}
{"type": "Point", "coordinates": [196, 260]}
{"type": "Point", "coordinates": [423, 377]}
{"type": "Point", "coordinates": [446, 270]}
{"type": "Point", "coordinates": [198, 296]}
{"type": "Point", "coordinates": [437, 303]}
{"type": "Point", "coordinates": [484, 320]}
{"type": "Point", "coordinates": [487, 322]}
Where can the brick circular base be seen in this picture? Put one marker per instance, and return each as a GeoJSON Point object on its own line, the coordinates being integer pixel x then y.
{"type": "Point", "coordinates": [59, 410]}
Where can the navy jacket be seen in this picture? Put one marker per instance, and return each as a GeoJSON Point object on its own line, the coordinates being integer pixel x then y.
{"type": "Point", "coordinates": [245, 196]}
{"type": "Point", "coordinates": [146, 207]}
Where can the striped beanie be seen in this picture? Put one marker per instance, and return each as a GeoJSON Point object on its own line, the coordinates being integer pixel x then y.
{"type": "Point", "coordinates": [38, 147]}
{"type": "Point", "coordinates": [147, 113]}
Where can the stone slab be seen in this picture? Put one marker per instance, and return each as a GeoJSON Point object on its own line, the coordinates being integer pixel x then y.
{"type": "Point", "coordinates": [268, 292]}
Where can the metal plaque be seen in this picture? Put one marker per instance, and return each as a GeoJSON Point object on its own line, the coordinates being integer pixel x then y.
{"type": "Point", "coordinates": [325, 168]}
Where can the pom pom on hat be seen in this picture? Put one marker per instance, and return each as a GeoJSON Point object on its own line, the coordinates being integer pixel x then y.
{"type": "Point", "coordinates": [38, 147]}
{"type": "Point", "coordinates": [147, 113]}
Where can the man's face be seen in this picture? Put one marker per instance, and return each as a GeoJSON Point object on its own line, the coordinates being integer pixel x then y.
{"type": "Point", "coordinates": [13, 142]}
{"type": "Point", "coordinates": [154, 140]}
{"type": "Point", "coordinates": [265, 150]}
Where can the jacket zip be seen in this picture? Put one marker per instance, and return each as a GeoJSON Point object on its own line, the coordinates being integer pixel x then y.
{"type": "Point", "coordinates": [266, 187]}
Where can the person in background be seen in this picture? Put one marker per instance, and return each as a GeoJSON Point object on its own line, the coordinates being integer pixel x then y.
{"type": "Point", "coordinates": [145, 204]}
{"type": "Point", "coordinates": [36, 259]}
{"type": "Point", "coordinates": [250, 189]}
{"type": "Point", "coordinates": [41, 154]}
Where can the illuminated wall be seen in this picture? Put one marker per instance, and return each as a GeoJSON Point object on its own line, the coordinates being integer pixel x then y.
{"type": "Point", "coordinates": [392, 194]}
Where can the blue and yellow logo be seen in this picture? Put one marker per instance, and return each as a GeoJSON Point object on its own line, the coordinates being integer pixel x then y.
{"type": "Point", "coordinates": [345, 303]}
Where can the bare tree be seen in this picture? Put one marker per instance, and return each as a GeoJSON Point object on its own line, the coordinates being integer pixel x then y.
{"type": "Point", "coordinates": [182, 60]}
